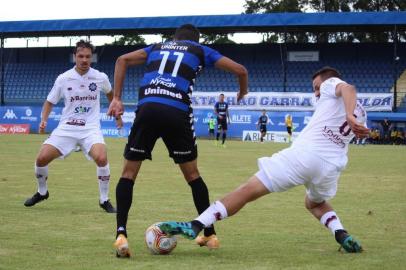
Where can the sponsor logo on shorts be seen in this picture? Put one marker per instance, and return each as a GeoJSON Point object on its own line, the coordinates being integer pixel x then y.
{"type": "Point", "coordinates": [182, 152]}
{"type": "Point", "coordinates": [335, 138]}
{"type": "Point", "coordinates": [137, 150]}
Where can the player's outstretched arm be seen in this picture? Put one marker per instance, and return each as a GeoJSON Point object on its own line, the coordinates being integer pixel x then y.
{"type": "Point", "coordinates": [349, 95]}
{"type": "Point", "coordinates": [137, 57]}
{"type": "Point", "coordinates": [239, 70]}
{"type": "Point", "coordinates": [46, 110]}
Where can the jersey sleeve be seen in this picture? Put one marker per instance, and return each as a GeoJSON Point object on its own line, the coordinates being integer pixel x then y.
{"type": "Point", "coordinates": [211, 56]}
{"type": "Point", "coordinates": [148, 49]}
{"type": "Point", "coordinates": [106, 85]}
{"type": "Point", "coordinates": [216, 106]}
{"type": "Point", "coordinates": [328, 87]}
{"type": "Point", "coordinates": [56, 92]}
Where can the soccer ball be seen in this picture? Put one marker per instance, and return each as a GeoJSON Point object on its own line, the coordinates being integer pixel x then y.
{"type": "Point", "coordinates": [158, 242]}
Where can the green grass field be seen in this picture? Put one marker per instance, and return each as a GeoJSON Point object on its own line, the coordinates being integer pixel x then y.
{"type": "Point", "coordinates": [70, 231]}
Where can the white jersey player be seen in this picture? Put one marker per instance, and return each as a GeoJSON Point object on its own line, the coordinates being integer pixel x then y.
{"type": "Point", "coordinates": [80, 88]}
{"type": "Point", "coordinates": [314, 160]}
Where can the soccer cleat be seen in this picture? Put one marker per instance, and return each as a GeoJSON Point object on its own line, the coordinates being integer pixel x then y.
{"type": "Point", "coordinates": [347, 242]}
{"type": "Point", "coordinates": [121, 245]}
{"type": "Point", "coordinates": [224, 146]}
{"type": "Point", "coordinates": [212, 242]}
{"type": "Point", "coordinates": [175, 228]}
{"type": "Point", "coordinates": [36, 198]}
{"type": "Point", "coordinates": [108, 207]}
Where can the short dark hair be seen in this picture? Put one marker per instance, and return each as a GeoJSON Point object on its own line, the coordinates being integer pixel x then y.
{"type": "Point", "coordinates": [83, 44]}
{"type": "Point", "coordinates": [326, 73]}
{"type": "Point", "coordinates": [187, 32]}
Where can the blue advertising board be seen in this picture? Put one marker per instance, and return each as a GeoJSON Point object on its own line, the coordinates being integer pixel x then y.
{"type": "Point", "coordinates": [241, 120]}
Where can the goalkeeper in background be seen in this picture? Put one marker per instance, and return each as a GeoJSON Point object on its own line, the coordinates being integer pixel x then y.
{"type": "Point", "coordinates": [212, 125]}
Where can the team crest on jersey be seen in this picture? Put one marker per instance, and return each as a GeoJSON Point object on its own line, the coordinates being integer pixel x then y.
{"type": "Point", "coordinates": [92, 87]}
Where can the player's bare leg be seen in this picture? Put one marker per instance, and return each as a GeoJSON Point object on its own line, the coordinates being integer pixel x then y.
{"type": "Point", "coordinates": [201, 200]}
{"type": "Point", "coordinates": [124, 196]}
{"type": "Point", "coordinates": [46, 154]}
{"type": "Point", "coordinates": [227, 206]}
{"type": "Point", "coordinates": [327, 217]}
{"type": "Point", "coordinates": [98, 152]}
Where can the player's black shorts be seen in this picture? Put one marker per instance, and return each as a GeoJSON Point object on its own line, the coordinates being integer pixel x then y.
{"type": "Point", "coordinates": [211, 131]}
{"type": "Point", "coordinates": [289, 129]}
{"type": "Point", "coordinates": [222, 123]}
{"type": "Point", "coordinates": [154, 121]}
{"type": "Point", "coordinates": [262, 128]}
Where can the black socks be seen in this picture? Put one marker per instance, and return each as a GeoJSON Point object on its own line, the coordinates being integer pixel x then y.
{"type": "Point", "coordinates": [197, 227]}
{"type": "Point", "coordinates": [201, 199]}
{"type": "Point", "coordinates": [124, 197]}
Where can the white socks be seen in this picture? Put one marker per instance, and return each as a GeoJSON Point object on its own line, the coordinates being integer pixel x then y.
{"type": "Point", "coordinates": [331, 221]}
{"type": "Point", "coordinates": [103, 174]}
{"type": "Point", "coordinates": [216, 211]}
{"type": "Point", "coordinates": [41, 173]}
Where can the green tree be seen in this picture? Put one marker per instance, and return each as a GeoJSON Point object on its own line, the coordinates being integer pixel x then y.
{"type": "Point", "coordinates": [330, 5]}
{"type": "Point", "coordinates": [379, 5]}
{"type": "Point", "coordinates": [166, 37]}
{"type": "Point", "coordinates": [132, 39]}
{"type": "Point", "coordinates": [216, 39]}
{"type": "Point", "coordinates": [266, 6]}
{"type": "Point", "coordinates": [359, 6]}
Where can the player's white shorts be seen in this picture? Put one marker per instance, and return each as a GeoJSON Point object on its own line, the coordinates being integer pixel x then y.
{"type": "Point", "coordinates": [292, 167]}
{"type": "Point", "coordinates": [66, 141]}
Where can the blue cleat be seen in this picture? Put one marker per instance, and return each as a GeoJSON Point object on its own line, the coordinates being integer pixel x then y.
{"type": "Point", "coordinates": [347, 242]}
{"type": "Point", "coordinates": [175, 228]}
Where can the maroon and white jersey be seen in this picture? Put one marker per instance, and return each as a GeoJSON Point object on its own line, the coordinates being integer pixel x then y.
{"type": "Point", "coordinates": [81, 94]}
{"type": "Point", "coordinates": [328, 134]}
